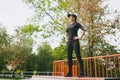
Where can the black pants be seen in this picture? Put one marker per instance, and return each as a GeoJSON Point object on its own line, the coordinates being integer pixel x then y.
{"type": "Point", "coordinates": [74, 45]}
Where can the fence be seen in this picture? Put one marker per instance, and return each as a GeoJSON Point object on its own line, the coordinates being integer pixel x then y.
{"type": "Point", "coordinates": [22, 74]}
{"type": "Point", "coordinates": [100, 66]}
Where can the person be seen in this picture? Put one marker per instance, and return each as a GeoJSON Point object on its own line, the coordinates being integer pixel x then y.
{"type": "Point", "coordinates": [72, 40]}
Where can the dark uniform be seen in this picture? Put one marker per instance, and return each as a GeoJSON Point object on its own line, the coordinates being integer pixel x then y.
{"type": "Point", "coordinates": [73, 44]}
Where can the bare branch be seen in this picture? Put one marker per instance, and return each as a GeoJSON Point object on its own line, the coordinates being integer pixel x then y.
{"type": "Point", "coordinates": [51, 17]}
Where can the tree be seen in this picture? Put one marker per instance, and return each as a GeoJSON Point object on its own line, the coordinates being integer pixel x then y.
{"type": "Point", "coordinates": [59, 53]}
{"type": "Point", "coordinates": [46, 18]}
{"type": "Point", "coordinates": [5, 40]}
{"type": "Point", "coordinates": [4, 37]}
{"type": "Point", "coordinates": [27, 29]}
{"type": "Point", "coordinates": [30, 63]}
{"type": "Point", "coordinates": [18, 52]}
{"type": "Point", "coordinates": [2, 63]}
{"type": "Point", "coordinates": [91, 13]}
{"type": "Point", "coordinates": [44, 58]}
{"type": "Point", "coordinates": [15, 50]}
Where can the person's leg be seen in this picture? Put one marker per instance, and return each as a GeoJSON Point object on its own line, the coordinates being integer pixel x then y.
{"type": "Point", "coordinates": [76, 47]}
{"type": "Point", "coordinates": [69, 55]}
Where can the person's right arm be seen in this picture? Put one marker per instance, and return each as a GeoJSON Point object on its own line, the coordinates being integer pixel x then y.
{"type": "Point", "coordinates": [66, 37]}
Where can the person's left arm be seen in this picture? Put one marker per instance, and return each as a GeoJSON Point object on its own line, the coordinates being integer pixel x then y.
{"type": "Point", "coordinates": [83, 32]}
{"type": "Point", "coordinates": [80, 37]}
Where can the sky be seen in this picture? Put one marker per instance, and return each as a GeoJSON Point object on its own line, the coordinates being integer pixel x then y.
{"type": "Point", "coordinates": [15, 13]}
{"type": "Point", "coordinates": [114, 4]}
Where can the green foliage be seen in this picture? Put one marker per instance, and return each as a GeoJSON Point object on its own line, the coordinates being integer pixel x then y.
{"type": "Point", "coordinates": [93, 18]}
{"type": "Point", "coordinates": [13, 48]}
{"type": "Point", "coordinates": [16, 54]}
{"type": "Point", "coordinates": [42, 61]}
{"type": "Point", "coordinates": [59, 53]}
{"type": "Point", "coordinates": [27, 29]}
{"type": "Point", "coordinates": [30, 64]}
{"type": "Point", "coordinates": [51, 19]}
{"type": "Point", "coordinates": [4, 41]}
{"type": "Point", "coordinates": [4, 37]}
{"type": "Point", "coordinates": [46, 16]}
{"type": "Point", "coordinates": [44, 58]}
{"type": "Point", "coordinates": [2, 62]}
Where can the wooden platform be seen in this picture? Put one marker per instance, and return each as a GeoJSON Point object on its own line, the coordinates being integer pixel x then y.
{"type": "Point", "coordinates": [63, 78]}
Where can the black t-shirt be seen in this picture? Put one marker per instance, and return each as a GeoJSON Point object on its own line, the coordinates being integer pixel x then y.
{"type": "Point", "coordinates": [72, 30]}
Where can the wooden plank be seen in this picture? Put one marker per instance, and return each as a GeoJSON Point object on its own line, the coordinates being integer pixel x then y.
{"type": "Point", "coordinates": [63, 78]}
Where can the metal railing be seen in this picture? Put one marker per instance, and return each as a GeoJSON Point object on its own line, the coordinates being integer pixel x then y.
{"type": "Point", "coordinates": [99, 66]}
{"type": "Point", "coordinates": [22, 74]}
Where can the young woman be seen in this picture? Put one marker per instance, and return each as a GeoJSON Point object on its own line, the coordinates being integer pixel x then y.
{"type": "Point", "coordinates": [72, 40]}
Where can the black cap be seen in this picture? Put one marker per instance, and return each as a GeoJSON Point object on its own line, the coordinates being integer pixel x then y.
{"type": "Point", "coordinates": [72, 15]}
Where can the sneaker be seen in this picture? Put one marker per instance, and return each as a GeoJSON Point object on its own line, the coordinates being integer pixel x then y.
{"type": "Point", "coordinates": [68, 75]}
